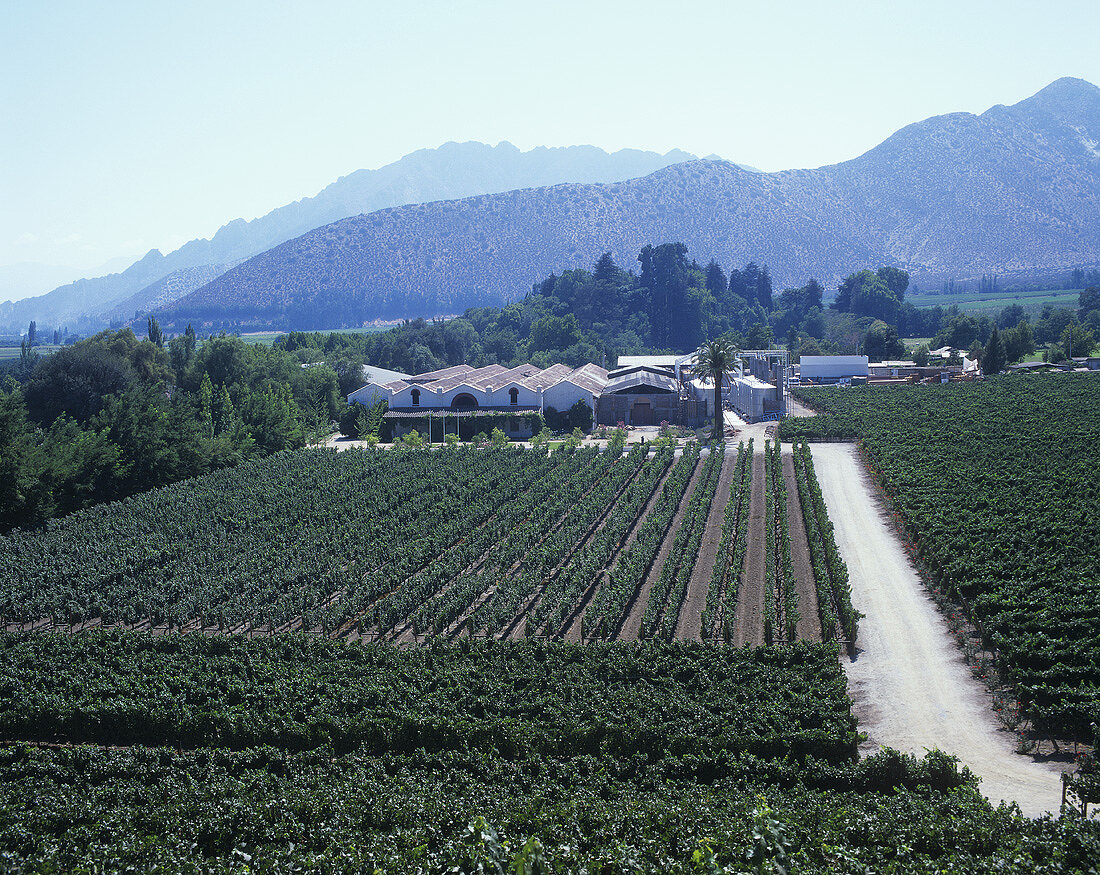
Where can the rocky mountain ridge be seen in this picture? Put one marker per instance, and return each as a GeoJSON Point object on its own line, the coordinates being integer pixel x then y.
{"type": "Point", "coordinates": [1014, 189]}
{"type": "Point", "coordinates": [454, 170]}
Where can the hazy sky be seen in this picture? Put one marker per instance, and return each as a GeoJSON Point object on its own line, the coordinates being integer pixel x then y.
{"type": "Point", "coordinates": [128, 126]}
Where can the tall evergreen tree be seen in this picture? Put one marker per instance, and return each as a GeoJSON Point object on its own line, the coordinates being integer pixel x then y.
{"type": "Point", "coordinates": [750, 278]}
{"type": "Point", "coordinates": [606, 271]}
{"type": "Point", "coordinates": [665, 279]}
{"type": "Point", "coordinates": [189, 343]}
{"type": "Point", "coordinates": [764, 289]}
{"type": "Point", "coordinates": [206, 406]}
{"type": "Point", "coordinates": [716, 280]}
{"type": "Point", "coordinates": [995, 358]}
{"type": "Point", "coordinates": [224, 413]}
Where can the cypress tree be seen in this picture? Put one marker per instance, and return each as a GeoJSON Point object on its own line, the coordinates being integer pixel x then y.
{"type": "Point", "coordinates": [995, 357]}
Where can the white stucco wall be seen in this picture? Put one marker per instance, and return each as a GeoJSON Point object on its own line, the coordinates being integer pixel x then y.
{"type": "Point", "coordinates": [446, 399]}
{"type": "Point", "coordinates": [563, 395]}
{"type": "Point", "coordinates": [499, 397]}
{"type": "Point", "coordinates": [428, 398]}
{"type": "Point", "coordinates": [369, 395]}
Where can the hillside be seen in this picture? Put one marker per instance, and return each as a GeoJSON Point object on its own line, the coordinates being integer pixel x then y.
{"type": "Point", "coordinates": [1014, 189]}
{"type": "Point", "coordinates": [167, 290]}
{"type": "Point", "coordinates": [454, 170]}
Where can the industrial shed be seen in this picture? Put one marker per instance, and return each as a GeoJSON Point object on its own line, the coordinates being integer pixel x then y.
{"type": "Point", "coordinates": [639, 395]}
{"type": "Point", "coordinates": [832, 368]}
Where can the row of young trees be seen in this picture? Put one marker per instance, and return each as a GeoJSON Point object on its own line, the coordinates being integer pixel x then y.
{"type": "Point", "coordinates": [1009, 335]}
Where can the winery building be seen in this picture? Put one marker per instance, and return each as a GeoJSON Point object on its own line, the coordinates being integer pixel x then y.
{"type": "Point", "coordinates": [464, 392]}
{"type": "Point", "coordinates": [633, 395]}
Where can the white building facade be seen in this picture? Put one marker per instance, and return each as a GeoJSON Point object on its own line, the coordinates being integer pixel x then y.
{"type": "Point", "coordinates": [495, 389]}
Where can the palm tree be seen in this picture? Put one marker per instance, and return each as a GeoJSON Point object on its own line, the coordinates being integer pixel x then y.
{"type": "Point", "coordinates": [715, 361]}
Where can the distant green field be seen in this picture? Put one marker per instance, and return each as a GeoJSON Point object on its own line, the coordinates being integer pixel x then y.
{"type": "Point", "coordinates": [12, 352]}
{"type": "Point", "coordinates": [979, 302]}
{"type": "Point", "coordinates": [267, 338]}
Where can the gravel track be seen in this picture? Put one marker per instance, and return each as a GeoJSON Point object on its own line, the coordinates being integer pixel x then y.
{"type": "Point", "coordinates": [911, 686]}
{"type": "Point", "coordinates": [750, 599]}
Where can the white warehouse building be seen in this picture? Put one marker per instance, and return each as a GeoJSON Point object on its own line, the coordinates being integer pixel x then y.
{"type": "Point", "coordinates": [831, 368]}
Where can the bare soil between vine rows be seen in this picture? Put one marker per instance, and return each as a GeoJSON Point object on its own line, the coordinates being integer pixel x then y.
{"type": "Point", "coordinates": [750, 600]}
{"type": "Point", "coordinates": [688, 626]}
{"type": "Point", "coordinates": [809, 620]}
{"type": "Point", "coordinates": [632, 625]}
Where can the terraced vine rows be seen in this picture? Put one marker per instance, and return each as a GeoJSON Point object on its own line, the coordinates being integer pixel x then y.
{"type": "Point", "coordinates": [415, 545]}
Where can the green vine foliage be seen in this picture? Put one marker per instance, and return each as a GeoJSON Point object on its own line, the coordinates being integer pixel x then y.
{"type": "Point", "coordinates": [996, 486]}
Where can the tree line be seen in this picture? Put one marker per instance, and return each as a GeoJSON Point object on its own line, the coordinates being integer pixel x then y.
{"type": "Point", "coordinates": [114, 415]}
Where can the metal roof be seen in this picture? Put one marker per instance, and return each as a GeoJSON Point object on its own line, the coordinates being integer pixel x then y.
{"type": "Point", "coordinates": [381, 376]}
{"type": "Point", "coordinates": [591, 378]}
{"type": "Point", "coordinates": [654, 361]}
{"type": "Point", "coordinates": [634, 369]}
{"type": "Point", "coordinates": [641, 378]}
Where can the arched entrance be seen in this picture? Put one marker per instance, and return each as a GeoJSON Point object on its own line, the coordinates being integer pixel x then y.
{"type": "Point", "coordinates": [464, 401]}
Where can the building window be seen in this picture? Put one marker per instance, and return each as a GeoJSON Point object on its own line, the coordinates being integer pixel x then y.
{"type": "Point", "coordinates": [416, 397]}
{"type": "Point", "coordinates": [513, 396]}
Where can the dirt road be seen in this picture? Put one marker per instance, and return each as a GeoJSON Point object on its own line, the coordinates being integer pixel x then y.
{"type": "Point", "coordinates": [911, 687]}
{"type": "Point", "coordinates": [758, 431]}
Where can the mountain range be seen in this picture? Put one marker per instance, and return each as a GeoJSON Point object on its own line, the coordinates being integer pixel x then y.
{"type": "Point", "coordinates": [454, 170]}
{"type": "Point", "coordinates": [1013, 190]}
